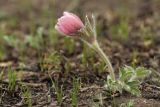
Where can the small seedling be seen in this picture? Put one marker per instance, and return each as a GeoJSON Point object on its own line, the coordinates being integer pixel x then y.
{"type": "Point", "coordinates": [12, 80]}
{"type": "Point", "coordinates": [74, 92]}
{"type": "Point", "coordinates": [147, 35]}
{"type": "Point", "coordinates": [16, 44]}
{"type": "Point", "coordinates": [130, 103]}
{"type": "Point", "coordinates": [11, 41]}
{"type": "Point", "coordinates": [59, 93]}
{"type": "Point", "coordinates": [120, 30]}
{"type": "Point", "coordinates": [58, 90]}
{"type": "Point", "coordinates": [27, 95]}
{"type": "Point", "coordinates": [38, 39]}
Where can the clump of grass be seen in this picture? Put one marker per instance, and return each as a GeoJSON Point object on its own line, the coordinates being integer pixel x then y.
{"type": "Point", "coordinates": [74, 92]}
{"type": "Point", "coordinates": [12, 79]}
{"type": "Point", "coordinates": [147, 35]}
{"type": "Point", "coordinates": [27, 95]}
{"type": "Point", "coordinates": [54, 59]}
{"type": "Point", "coordinates": [59, 92]}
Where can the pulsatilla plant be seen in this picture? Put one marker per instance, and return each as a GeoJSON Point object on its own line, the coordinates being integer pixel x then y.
{"type": "Point", "coordinates": [71, 25]}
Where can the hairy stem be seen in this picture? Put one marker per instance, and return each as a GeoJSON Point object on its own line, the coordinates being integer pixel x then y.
{"type": "Point", "coordinates": [105, 58]}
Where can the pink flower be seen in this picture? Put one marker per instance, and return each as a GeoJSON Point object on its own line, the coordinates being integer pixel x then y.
{"type": "Point", "coordinates": [69, 24]}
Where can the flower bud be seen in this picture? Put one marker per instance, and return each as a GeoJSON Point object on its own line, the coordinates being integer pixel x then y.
{"type": "Point", "coordinates": [69, 24]}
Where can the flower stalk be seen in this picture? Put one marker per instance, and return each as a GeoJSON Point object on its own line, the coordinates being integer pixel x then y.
{"type": "Point", "coordinates": [104, 58]}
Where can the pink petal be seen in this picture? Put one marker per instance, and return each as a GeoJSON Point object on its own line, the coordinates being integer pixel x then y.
{"type": "Point", "coordinates": [68, 24]}
{"type": "Point", "coordinates": [59, 30]}
{"type": "Point", "coordinates": [74, 17]}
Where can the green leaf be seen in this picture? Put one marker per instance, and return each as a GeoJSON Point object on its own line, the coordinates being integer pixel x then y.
{"type": "Point", "coordinates": [128, 80]}
{"type": "Point", "coordinates": [134, 83]}
{"type": "Point", "coordinates": [126, 73]}
{"type": "Point", "coordinates": [134, 87]}
{"type": "Point", "coordinates": [135, 91]}
{"type": "Point", "coordinates": [142, 72]}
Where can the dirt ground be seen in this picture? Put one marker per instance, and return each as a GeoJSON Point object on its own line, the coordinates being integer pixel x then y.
{"type": "Point", "coordinates": [22, 18]}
